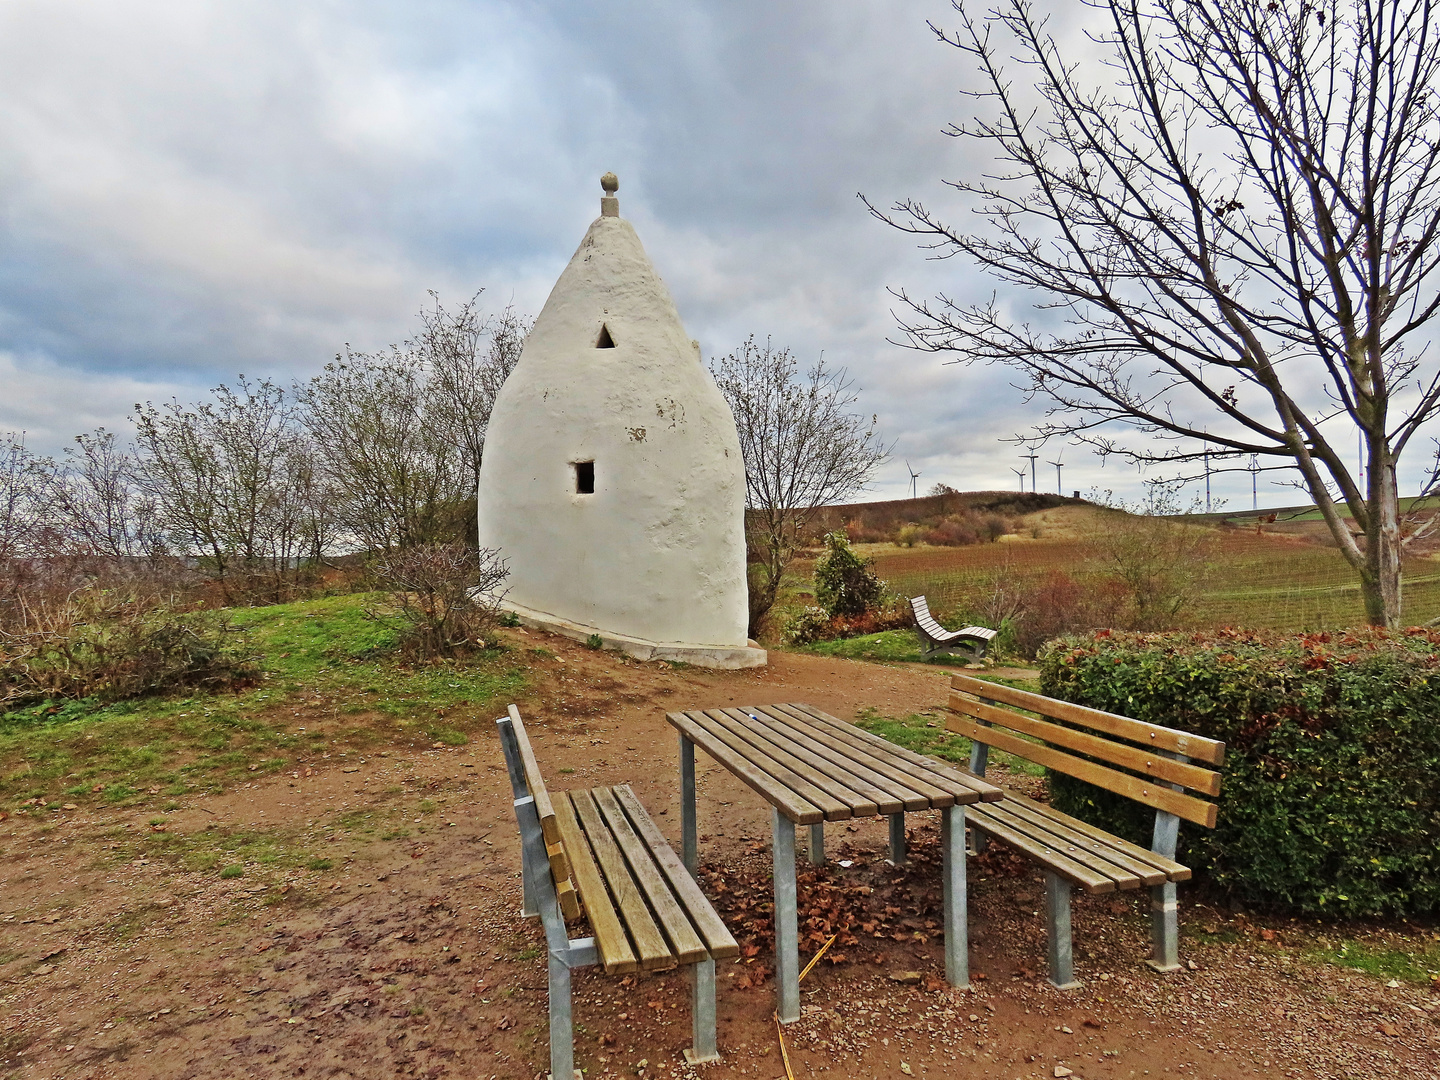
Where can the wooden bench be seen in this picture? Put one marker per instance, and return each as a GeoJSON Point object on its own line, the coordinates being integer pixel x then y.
{"type": "Point", "coordinates": [1159, 767]}
{"type": "Point", "coordinates": [596, 851]}
{"type": "Point", "coordinates": [972, 641]}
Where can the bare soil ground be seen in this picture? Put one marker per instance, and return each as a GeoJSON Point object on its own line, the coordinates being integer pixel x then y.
{"type": "Point", "coordinates": [408, 956]}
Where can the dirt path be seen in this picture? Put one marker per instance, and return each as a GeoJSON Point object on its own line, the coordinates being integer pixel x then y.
{"type": "Point", "coordinates": [407, 956]}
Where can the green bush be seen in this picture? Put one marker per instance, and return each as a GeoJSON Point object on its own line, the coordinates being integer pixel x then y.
{"type": "Point", "coordinates": [844, 582]}
{"type": "Point", "coordinates": [1330, 802]}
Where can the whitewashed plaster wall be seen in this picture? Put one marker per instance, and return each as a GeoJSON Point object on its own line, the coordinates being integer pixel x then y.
{"type": "Point", "coordinates": [657, 552]}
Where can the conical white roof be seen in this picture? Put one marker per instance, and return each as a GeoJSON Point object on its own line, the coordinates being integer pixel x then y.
{"type": "Point", "coordinates": [609, 378]}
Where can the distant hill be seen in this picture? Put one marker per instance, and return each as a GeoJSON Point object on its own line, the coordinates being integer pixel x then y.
{"type": "Point", "coordinates": [952, 519]}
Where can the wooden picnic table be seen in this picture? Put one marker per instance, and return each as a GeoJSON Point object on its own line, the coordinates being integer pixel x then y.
{"type": "Point", "coordinates": [811, 768]}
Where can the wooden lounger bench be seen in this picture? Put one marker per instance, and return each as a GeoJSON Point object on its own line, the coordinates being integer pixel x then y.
{"type": "Point", "coordinates": [1159, 765]}
{"type": "Point", "coordinates": [596, 851]}
{"type": "Point", "coordinates": [972, 641]}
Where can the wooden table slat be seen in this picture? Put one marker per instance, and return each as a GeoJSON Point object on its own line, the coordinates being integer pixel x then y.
{"type": "Point", "coordinates": [959, 780]}
{"type": "Point", "coordinates": [844, 770]}
{"type": "Point", "coordinates": [906, 797]}
{"type": "Point", "coordinates": [833, 808]}
{"type": "Point", "coordinates": [763, 784]}
{"type": "Point", "coordinates": [902, 772]}
{"type": "Point", "coordinates": [738, 723]}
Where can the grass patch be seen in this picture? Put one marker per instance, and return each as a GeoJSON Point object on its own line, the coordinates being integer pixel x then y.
{"type": "Point", "coordinates": [924, 733]}
{"type": "Point", "coordinates": [234, 870]}
{"type": "Point", "coordinates": [1419, 964]}
{"type": "Point", "coordinates": [894, 646]}
{"type": "Point", "coordinates": [327, 674]}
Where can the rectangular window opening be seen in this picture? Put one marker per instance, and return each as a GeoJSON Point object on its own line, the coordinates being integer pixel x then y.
{"type": "Point", "coordinates": [584, 478]}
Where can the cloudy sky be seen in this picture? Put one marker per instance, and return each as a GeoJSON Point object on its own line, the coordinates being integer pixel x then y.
{"type": "Point", "coordinates": [192, 189]}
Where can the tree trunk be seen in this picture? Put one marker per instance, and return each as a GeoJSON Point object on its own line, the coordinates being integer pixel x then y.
{"type": "Point", "coordinates": [1380, 573]}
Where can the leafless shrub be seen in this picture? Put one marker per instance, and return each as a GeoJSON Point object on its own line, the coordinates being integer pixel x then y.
{"type": "Point", "coordinates": [95, 643]}
{"type": "Point", "coordinates": [447, 594]}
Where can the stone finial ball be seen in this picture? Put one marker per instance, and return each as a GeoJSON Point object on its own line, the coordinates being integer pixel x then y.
{"type": "Point", "coordinates": [610, 183]}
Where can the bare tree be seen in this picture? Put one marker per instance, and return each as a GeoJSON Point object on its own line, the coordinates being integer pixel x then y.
{"type": "Point", "coordinates": [803, 449]}
{"type": "Point", "coordinates": [398, 435]}
{"type": "Point", "coordinates": [394, 477]}
{"type": "Point", "coordinates": [100, 503]}
{"type": "Point", "coordinates": [26, 481]}
{"type": "Point", "coordinates": [468, 355]}
{"type": "Point", "coordinates": [1237, 235]}
{"type": "Point", "coordinates": [228, 482]}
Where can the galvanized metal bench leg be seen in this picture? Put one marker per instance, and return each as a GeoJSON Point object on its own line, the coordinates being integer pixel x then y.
{"type": "Point", "coordinates": [817, 843]}
{"type": "Point", "coordinates": [689, 840]}
{"type": "Point", "coordinates": [1164, 928]}
{"type": "Point", "coordinates": [1057, 912]}
{"type": "Point", "coordinates": [897, 839]}
{"type": "Point", "coordinates": [702, 1013]}
{"type": "Point", "coordinates": [979, 761]}
{"type": "Point", "coordinates": [562, 1036]}
{"type": "Point", "coordinates": [787, 936]}
{"type": "Point", "coordinates": [957, 930]}
{"type": "Point", "coordinates": [1164, 907]}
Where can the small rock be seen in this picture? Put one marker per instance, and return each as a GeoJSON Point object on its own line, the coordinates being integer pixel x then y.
{"type": "Point", "coordinates": [352, 768]}
{"type": "Point", "coordinates": [906, 978]}
{"type": "Point", "coordinates": [1061, 1070]}
{"type": "Point", "coordinates": [1192, 965]}
{"type": "Point", "coordinates": [1388, 1029]}
{"type": "Point", "coordinates": [905, 1068]}
{"type": "Point", "coordinates": [43, 969]}
{"type": "Point", "coordinates": [1067, 1031]}
{"type": "Point", "coordinates": [1393, 984]}
{"type": "Point", "coordinates": [71, 806]}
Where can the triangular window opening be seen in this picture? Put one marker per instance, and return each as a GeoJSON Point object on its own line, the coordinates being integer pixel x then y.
{"type": "Point", "coordinates": [604, 341]}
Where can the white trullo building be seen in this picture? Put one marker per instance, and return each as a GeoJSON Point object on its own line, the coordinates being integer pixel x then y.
{"type": "Point", "coordinates": [612, 480]}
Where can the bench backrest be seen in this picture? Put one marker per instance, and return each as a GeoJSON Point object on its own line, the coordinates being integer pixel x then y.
{"type": "Point", "coordinates": [526, 771]}
{"type": "Point", "coordinates": [1163, 768]}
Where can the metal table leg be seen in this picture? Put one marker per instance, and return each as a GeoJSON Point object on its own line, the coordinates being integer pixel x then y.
{"type": "Point", "coordinates": [897, 839]}
{"type": "Point", "coordinates": [817, 843]}
{"type": "Point", "coordinates": [787, 933]}
{"type": "Point", "coordinates": [957, 930]}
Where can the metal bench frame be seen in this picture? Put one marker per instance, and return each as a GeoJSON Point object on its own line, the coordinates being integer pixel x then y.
{"type": "Point", "coordinates": [567, 953]}
{"type": "Point", "coordinates": [971, 641]}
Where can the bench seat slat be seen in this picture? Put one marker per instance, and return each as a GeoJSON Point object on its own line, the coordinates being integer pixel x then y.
{"type": "Point", "coordinates": [616, 956]}
{"type": "Point", "coordinates": [738, 723]}
{"type": "Point", "coordinates": [1152, 794]}
{"type": "Point", "coordinates": [833, 808]}
{"type": "Point", "coordinates": [958, 781]}
{"type": "Point", "coordinates": [1157, 864]}
{"type": "Point", "coordinates": [901, 772]}
{"type": "Point", "coordinates": [1047, 854]}
{"type": "Point", "coordinates": [1138, 759]}
{"type": "Point", "coordinates": [718, 939]}
{"type": "Point", "coordinates": [1210, 751]}
{"type": "Point", "coordinates": [850, 775]}
{"type": "Point", "coordinates": [790, 804]}
{"type": "Point", "coordinates": [685, 944]}
{"type": "Point", "coordinates": [1087, 852]}
{"type": "Point", "coordinates": [650, 944]}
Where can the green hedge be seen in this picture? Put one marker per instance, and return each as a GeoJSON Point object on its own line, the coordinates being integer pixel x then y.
{"type": "Point", "coordinates": [1330, 801]}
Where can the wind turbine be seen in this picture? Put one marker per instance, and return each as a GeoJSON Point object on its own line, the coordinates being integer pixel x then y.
{"type": "Point", "coordinates": [1020, 472]}
{"type": "Point", "coordinates": [1059, 488]}
{"type": "Point", "coordinates": [914, 476]}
